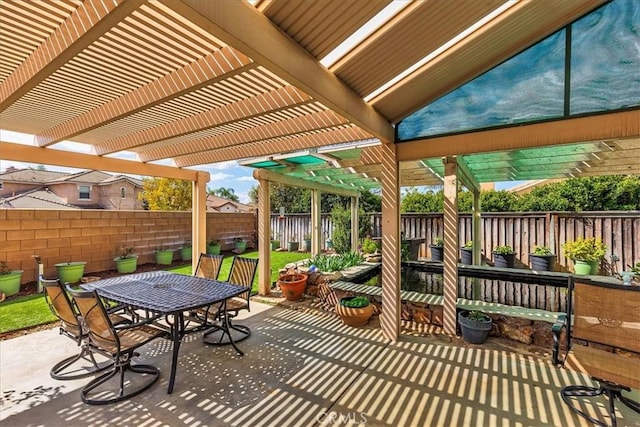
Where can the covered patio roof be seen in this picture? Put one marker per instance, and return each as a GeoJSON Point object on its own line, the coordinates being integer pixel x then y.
{"type": "Point", "coordinates": [189, 82]}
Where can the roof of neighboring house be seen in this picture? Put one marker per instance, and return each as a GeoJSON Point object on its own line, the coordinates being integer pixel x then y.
{"type": "Point", "coordinates": [39, 198]}
{"type": "Point", "coordinates": [35, 176]}
{"type": "Point", "coordinates": [215, 203]}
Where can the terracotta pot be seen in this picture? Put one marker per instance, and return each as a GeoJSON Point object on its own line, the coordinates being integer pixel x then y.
{"type": "Point", "coordinates": [292, 285]}
{"type": "Point", "coordinates": [354, 316]}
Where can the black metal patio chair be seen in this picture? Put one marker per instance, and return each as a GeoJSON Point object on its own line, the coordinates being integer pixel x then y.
{"type": "Point", "coordinates": [604, 333]}
{"type": "Point", "coordinates": [119, 343]}
{"type": "Point", "coordinates": [243, 271]}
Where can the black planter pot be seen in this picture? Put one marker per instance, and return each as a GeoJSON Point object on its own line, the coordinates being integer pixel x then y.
{"type": "Point", "coordinates": [474, 331]}
{"type": "Point", "coordinates": [466, 256]}
{"type": "Point", "coordinates": [542, 262]}
{"type": "Point", "coordinates": [437, 253]}
{"type": "Point", "coordinates": [504, 260]}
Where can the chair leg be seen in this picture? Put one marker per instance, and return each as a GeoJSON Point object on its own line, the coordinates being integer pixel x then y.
{"type": "Point", "coordinates": [122, 394]}
{"type": "Point", "coordinates": [58, 370]}
{"type": "Point", "coordinates": [610, 390]}
{"type": "Point", "coordinates": [220, 335]}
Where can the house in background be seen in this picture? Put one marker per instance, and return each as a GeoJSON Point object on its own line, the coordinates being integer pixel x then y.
{"type": "Point", "coordinates": [218, 204]}
{"type": "Point", "coordinates": [42, 189]}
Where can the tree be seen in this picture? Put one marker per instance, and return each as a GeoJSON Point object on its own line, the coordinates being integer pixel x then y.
{"type": "Point", "coordinates": [415, 201]}
{"type": "Point", "coordinates": [166, 194]}
{"type": "Point", "coordinates": [225, 193]}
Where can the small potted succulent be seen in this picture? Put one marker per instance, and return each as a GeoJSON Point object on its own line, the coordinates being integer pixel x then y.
{"type": "Point", "coordinates": [186, 251]}
{"type": "Point", "coordinates": [542, 259]}
{"type": "Point", "coordinates": [475, 326]}
{"type": "Point", "coordinates": [466, 253]}
{"type": "Point", "coordinates": [240, 245]}
{"type": "Point", "coordinates": [354, 311]}
{"type": "Point", "coordinates": [586, 254]}
{"type": "Point", "coordinates": [437, 249]}
{"type": "Point", "coordinates": [9, 280]}
{"type": "Point", "coordinates": [504, 256]}
{"type": "Point", "coordinates": [126, 260]}
{"type": "Point", "coordinates": [213, 247]}
{"type": "Point", "coordinates": [164, 256]}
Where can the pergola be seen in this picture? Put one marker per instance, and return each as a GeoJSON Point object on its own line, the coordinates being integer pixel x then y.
{"type": "Point", "coordinates": [199, 82]}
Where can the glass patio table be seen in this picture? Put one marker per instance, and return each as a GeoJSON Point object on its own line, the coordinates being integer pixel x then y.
{"type": "Point", "coordinates": [169, 294]}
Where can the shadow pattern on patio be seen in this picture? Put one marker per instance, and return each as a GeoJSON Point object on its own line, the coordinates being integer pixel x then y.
{"type": "Point", "coordinates": [304, 368]}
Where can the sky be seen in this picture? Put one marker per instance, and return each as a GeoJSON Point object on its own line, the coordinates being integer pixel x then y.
{"type": "Point", "coordinates": [225, 174]}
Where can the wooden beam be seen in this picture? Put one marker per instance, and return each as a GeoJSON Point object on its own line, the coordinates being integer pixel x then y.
{"type": "Point", "coordinates": [217, 66]}
{"type": "Point", "coordinates": [237, 23]}
{"type": "Point", "coordinates": [451, 245]}
{"type": "Point", "coordinates": [301, 183]}
{"type": "Point", "coordinates": [88, 22]}
{"type": "Point", "coordinates": [391, 261]}
{"type": "Point", "coordinates": [466, 176]}
{"type": "Point", "coordinates": [603, 127]}
{"type": "Point", "coordinates": [49, 156]}
{"type": "Point", "coordinates": [264, 237]}
{"type": "Point", "coordinates": [316, 223]}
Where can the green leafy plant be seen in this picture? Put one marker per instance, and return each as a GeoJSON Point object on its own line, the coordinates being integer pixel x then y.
{"type": "Point", "coordinates": [503, 250]}
{"type": "Point", "coordinates": [214, 242]}
{"type": "Point", "coordinates": [587, 249]}
{"type": "Point", "coordinates": [542, 251]}
{"type": "Point", "coordinates": [635, 269]}
{"type": "Point", "coordinates": [355, 302]}
{"type": "Point", "coordinates": [123, 252]}
{"type": "Point", "coordinates": [161, 248]}
{"type": "Point", "coordinates": [369, 246]}
{"type": "Point", "coordinates": [328, 263]}
{"type": "Point", "coordinates": [4, 268]}
{"type": "Point", "coordinates": [468, 245]}
{"type": "Point", "coordinates": [477, 316]}
{"type": "Point", "coordinates": [438, 241]}
{"type": "Point", "coordinates": [238, 240]}
{"type": "Point", "coordinates": [186, 245]}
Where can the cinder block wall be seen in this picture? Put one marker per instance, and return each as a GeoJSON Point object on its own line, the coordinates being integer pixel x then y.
{"type": "Point", "coordinates": [91, 235]}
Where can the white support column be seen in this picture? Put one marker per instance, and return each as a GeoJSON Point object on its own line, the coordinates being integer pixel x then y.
{"type": "Point", "coordinates": [198, 218]}
{"type": "Point", "coordinates": [390, 317]}
{"type": "Point", "coordinates": [316, 223]}
{"type": "Point", "coordinates": [451, 244]}
{"type": "Point", "coordinates": [264, 237]}
{"type": "Point", "coordinates": [477, 241]}
{"type": "Point", "coordinates": [355, 224]}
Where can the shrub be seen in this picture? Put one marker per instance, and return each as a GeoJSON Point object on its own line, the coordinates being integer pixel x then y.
{"type": "Point", "coordinates": [123, 252]}
{"type": "Point", "coordinates": [542, 251]}
{"type": "Point", "coordinates": [587, 249]}
{"type": "Point", "coordinates": [468, 245]}
{"type": "Point", "coordinates": [369, 246]}
{"type": "Point", "coordinates": [438, 241]}
{"type": "Point", "coordinates": [503, 250]}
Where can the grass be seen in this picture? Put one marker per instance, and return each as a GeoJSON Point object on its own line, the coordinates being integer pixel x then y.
{"type": "Point", "coordinates": [32, 310]}
{"type": "Point", "coordinates": [22, 312]}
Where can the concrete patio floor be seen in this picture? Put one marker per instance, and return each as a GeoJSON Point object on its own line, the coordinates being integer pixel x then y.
{"type": "Point", "coordinates": [302, 367]}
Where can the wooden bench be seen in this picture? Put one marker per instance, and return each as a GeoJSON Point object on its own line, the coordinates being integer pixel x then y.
{"type": "Point", "coordinates": [555, 318]}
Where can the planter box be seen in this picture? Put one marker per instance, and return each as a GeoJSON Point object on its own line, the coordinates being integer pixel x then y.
{"type": "Point", "coordinates": [214, 249]}
{"type": "Point", "coordinates": [10, 283]}
{"type": "Point", "coordinates": [466, 256]}
{"type": "Point", "coordinates": [126, 265]}
{"type": "Point", "coordinates": [504, 260]}
{"type": "Point", "coordinates": [437, 253]}
{"type": "Point", "coordinates": [164, 257]}
{"type": "Point", "coordinates": [186, 254]}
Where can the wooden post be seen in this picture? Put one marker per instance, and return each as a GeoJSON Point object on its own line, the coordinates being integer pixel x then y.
{"type": "Point", "coordinates": [390, 317]}
{"type": "Point", "coordinates": [264, 237]}
{"type": "Point", "coordinates": [198, 218]}
{"type": "Point", "coordinates": [316, 223]}
{"type": "Point", "coordinates": [477, 241]}
{"type": "Point", "coordinates": [451, 248]}
{"type": "Point", "coordinates": [355, 224]}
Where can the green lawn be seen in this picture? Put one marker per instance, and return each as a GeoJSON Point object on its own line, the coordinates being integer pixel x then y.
{"type": "Point", "coordinates": [32, 310]}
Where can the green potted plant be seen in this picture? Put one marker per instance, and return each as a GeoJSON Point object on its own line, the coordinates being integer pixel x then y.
{"type": "Point", "coordinates": [275, 242]}
{"type": "Point", "coordinates": [586, 254]}
{"type": "Point", "coordinates": [293, 245]}
{"type": "Point", "coordinates": [70, 272]}
{"type": "Point", "coordinates": [354, 311]}
{"type": "Point", "coordinates": [9, 280]}
{"type": "Point", "coordinates": [213, 247]}
{"type": "Point", "coordinates": [437, 249]}
{"type": "Point", "coordinates": [307, 242]}
{"type": "Point", "coordinates": [126, 260]}
{"type": "Point", "coordinates": [475, 326]}
{"type": "Point", "coordinates": [466, 253]}
{"type": "Point", "coordinates": [186, 251]}
{"type": "Point", "coordinates": [164, 256]}
{"type": "Point", "coordinates": [504, 256]}
{"type": "Point", "coordinates": [542, 259]}
{"type": "Point", "coordinates": [240, 245]}
{"type": "Point", "coordinates": [292, 285]}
